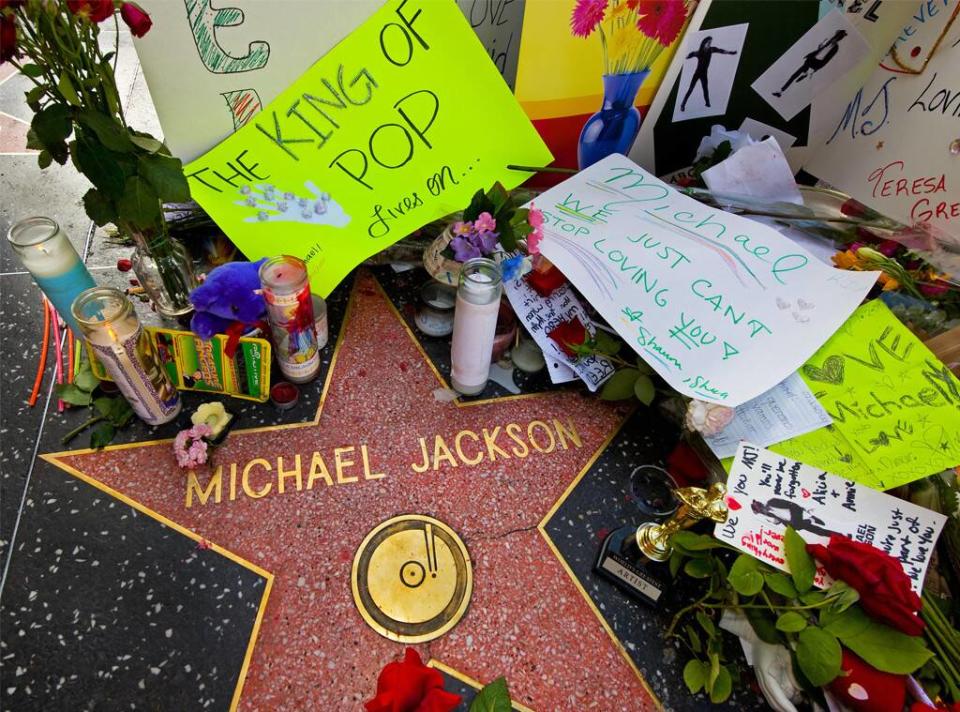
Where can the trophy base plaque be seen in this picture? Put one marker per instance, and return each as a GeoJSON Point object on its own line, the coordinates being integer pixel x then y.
{"type": "Point", "coordinates": [621, 563]}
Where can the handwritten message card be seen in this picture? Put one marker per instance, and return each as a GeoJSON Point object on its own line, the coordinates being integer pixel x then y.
{"type": "Point", "coordinates": [767, 492]}
{"type": "Point", "coordinates": [895, 407]}
{"type": "Point", "coordinates": [400, 123]}
{"type": "Point", "coordinates": [724, 308]}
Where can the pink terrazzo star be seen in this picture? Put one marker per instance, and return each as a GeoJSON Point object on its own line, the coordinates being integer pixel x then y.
{"type": "Point", "coordinates": [527, 618]}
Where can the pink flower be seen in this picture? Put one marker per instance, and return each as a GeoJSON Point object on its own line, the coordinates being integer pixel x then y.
{"type": "Point", "coordinates": [136, 18]}
{"type": "Point", "coordinates": [484, 223]}
{"type": "Point", "coordinates": [190, 447]}
{"type": "Point", "coordinates": [462, 228]}
{"type": "Point", "coordinates": [587, 14]}
{"type": "Point", "coordinates": [661, 19]}
{"type": "Point", "coordinates": [708, 418]}
{"type": "Point", "coordinates": [935, 289]}
{"type": "Point", "coordinates": [535, 217]}
{"type": "Point", "coordinates": [533, 241]}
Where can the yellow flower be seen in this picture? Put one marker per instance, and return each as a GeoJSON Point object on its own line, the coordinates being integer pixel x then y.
{"type": "Point", "coordinates": [888, 282]}
{"type": "Point", "coordinates": [846, 260]}
{"type": "Point", "coordinates": [623, 42]}
{"type": "Point", "coordinates": [619, 10]}
{"type": "Point", "coordinates": [214, 415]}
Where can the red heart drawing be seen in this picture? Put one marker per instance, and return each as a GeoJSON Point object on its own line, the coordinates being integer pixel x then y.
{"type": "Point", "coordinates": [805, 493]}
{"type": "Point", "coordinates": [733, 504]}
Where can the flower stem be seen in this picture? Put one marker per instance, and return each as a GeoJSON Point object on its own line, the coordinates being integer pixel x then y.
{"type": "Point", "coordinates": [80, 428]}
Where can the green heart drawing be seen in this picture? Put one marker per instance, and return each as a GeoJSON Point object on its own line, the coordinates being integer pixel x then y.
{"type": "Point", "coordinates": [831, 372]}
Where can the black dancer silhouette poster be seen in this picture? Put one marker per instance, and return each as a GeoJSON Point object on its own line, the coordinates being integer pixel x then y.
{"type": "Point", "coordinates": [830, 49]}
{"type": "Point", "coordinates": [710, 61]}
{"type": "Point", "coordinates": [767, 492]}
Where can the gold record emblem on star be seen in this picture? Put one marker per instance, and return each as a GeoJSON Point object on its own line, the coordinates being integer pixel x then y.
{"type": "Point", "coordinates": [412, 578]}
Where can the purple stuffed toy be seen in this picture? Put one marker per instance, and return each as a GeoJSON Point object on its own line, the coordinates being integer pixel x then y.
{"type": "Point", "coordinates": [231, 293]}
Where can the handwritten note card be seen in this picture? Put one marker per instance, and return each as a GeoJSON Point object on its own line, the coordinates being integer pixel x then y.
{"type": "Point", "coordinates": [540, 315]}
{"type": "Point", "coordinates": [785, 411]}
{"type": "Point", "coordinates": [724, 308]}
{"type": "Point", "coordinates": [895, 407]}
{"type": "Point", "coordinates": [400, 123]}
{"type": "Point", "coordinates": [767, 492]}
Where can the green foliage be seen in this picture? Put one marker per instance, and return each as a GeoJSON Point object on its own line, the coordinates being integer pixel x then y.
{"type": "Point", "coordinates": [882, 647]}
{"type": "Point", "coordinates": [818, 655]}
{"type": "Point", "coordinates": [620, 385]}
{"type": "Point", "coordinates": [111, 412]}
{"type": "Point", "coordinates": [745, 577]}
{"type": "Point", "coordinates": [512, 222]}
{"type": "Point", "coordinates": [801, 564]}
{"type": "Point", "coordinates": [791, 622]}
{"type": "Point", "coordinates": [695, 675]}
{"type": "Point", "coordinates": [494, 697]}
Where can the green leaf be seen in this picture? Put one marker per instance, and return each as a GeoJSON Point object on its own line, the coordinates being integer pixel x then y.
{"type": "Point", "coordinates": [98, 208]}
{"type": "Point", "coordinates": [104, 405]}
{"type": "Point", "coordinates": [52, 125]}
{"type": "Point", "coordinates": [122, 413]}
{"type": "Point", "coordinates": [812, 598]}
{"type": "Point", "coordinates": [620, 385]}
{"type": "Point", "coordinates": [819, 655]}
{"type": "Point", "coordinates": [744, 577]}
{"type": "Point", "coordinates": [34, 96]}
{"type": "Point", "coordinates": [780, 583]}
{"type": "Point", "coordinates": [801, 564]}
{"type": "Point", "coordinates": [706, 623]}
{"type": "Point", "coordinates": [102, 435]}
{"type": "Point", "coordinates": [498, 196]}
{"type": "Point", "coordinates": [110, 132]}
{"type": "Point", "coordinates": [31, 70]}
{"type": "Point", "coordinates": [882, 647]}
{"type": "Point", "coordinates": [84, 378]}
{"type": "Point", "coordinates": [843, 596]}
{"type": "Point", "coordinates": [694, 637]}
{"type": "Point", "coordinates": [166, 176]}
{"type": "Point", "coordinates": [676, 561]}
{"type": "Point", "coordinates": [147, 143]}
{"type": "Point", "coordinates": [494, 697]}
{"type": "Point", "coordinates": [722, 686]}
{"type": "Point", "coordinates": [97, 164]}
{"type": "Point", "coordinates": [606, 344]}
{"type": "Point", "coordinates": [139, 205]}
{"type": "Point", "coordinates": [507, 238]}
{"type": "Point", "coordinates": [69, 393]}
{"type": "Point", "coordinates": [763, 625]}
{"type": "Point", "coordinates": [791, 622]}
{"type": "Point", "coordinates": [695, 675]}
{"type": "Point", "coordinates": [690, 541]}
{"type": "Point", "coordinates": [698, 568]}
{"type": "Point", "coordinates": [644, 368]}
{"type": "Point", "coordinates": [65, 87]}
{"type": "Point", "coordinates": [644, 390]}
{"type": "Point", "coordinates": [44, 159]}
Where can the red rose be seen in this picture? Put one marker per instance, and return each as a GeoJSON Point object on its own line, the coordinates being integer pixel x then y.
{"type": "Point", "coordinates": [863, 688]}
{"type": "Point", "coordinates": [96, 10]}
{"type": "Point", "coordinates": [8, 38]}
{"type": "Point", "coordinates": [410, 686]}
{"type": "Point", "coordinates": [569, 333]}
{"type": "Point", "coordinates": [884, 588]}
{"type": "Point", "coordinates": [545, 278]}
{"type": "Point", "coordinates": [137, 20]}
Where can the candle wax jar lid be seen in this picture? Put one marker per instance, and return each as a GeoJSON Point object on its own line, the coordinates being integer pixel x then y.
{"type": "Point", "coordinates": [284, 395]}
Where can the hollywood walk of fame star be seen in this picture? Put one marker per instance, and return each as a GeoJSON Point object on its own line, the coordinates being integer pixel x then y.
{"type": "Point", "coordinates": [527, 619]}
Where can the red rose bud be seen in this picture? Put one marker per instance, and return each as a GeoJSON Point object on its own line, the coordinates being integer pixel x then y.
{"type": "Point", "coordinates": [853, 208]}
{"type": "Point", "coordinates": [8, 38]}
{"type": "Point", "coordinates": [411, 686]}
{"type": "Point", "coordinates": [96, 10]}
{"type": "Point", "coordinates": [884, 588]}
{"type": "Point", "coordinates": [137, 20]}
{"type": "Point", "coordinates": [569, 333]}
{"type": "Point", "coordinates": [937, 289]}
{"type": "Point", "coordinates": [124, 265]}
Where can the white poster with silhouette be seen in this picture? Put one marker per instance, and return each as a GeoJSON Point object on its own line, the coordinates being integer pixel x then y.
{"type": "Point", "coordinates": [722, 307]}
{"type": "Point", "coordinates": [710, 61]}
{"type": "Point", "coordinates": [767, 492]}
{"type": "Point", "coordinates": [825, 53]}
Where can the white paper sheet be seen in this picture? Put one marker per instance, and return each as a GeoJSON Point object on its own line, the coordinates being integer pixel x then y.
{"type": "Point", "coordinates": [785, 411]}
{"type": "Point", "coordinates": [759, 131]}
{"type": "Point", "coordinates": [824, 54]}
{"type": "Point", "coordinates": [540, 315]}
{"type": "Point", "coordinates": [766, 492]}
{"type": "Point", "coordinates": [759, 171]}
{"type": "Point", "coordinates": [711, 58]}
{"type": "Point", "coordinates": [692, 289]}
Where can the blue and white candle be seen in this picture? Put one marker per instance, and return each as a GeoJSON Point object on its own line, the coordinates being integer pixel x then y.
{"type": "Point", "coordinates": [47, 254]}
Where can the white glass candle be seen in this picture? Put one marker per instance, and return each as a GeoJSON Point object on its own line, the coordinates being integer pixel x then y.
{"type": "Point", "coordinates": [475, 324]}
{"type": "Point", "coordinates": [110, 325]}
{"type": "Point", "coordinates": [48, 256]}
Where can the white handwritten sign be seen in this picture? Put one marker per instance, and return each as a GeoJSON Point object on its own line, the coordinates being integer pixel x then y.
{"type": "Point", "coordinates": [894, 148]}
{"type": "Point", "coordinates": [724, 308]}
{"type": "Point", "coordinates": [211, 66]}
{"type": "Point", "coordinates": [767, 492]}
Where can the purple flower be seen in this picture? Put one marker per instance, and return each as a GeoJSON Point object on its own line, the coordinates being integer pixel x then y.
{"type": "Point", "coordinates": [464, 249]}
{"type": "Point", "coordinates": [486, 242]}
{"type": "Point", "coordinates": [190, 447]}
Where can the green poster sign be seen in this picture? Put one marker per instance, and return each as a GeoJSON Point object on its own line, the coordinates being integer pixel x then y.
{"type": "Point", "coordinates": [399, 124]}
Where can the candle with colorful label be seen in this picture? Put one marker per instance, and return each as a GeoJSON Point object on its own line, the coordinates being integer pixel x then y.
{"type": "Point", "coordinates": [47, 254]}
{"type": "Point", "coordinates": [475, 324]}
{"type": "Point", "coordinates": [113, 331]}
{"type": "Point", "coordinates": [286, 290]}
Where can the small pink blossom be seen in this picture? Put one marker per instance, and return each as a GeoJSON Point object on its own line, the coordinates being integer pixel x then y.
{"type": "Point", "coordinates": [708, 418]}
{"type": "Point", "coordinates": [462, 228]}
{"type": "Point", "coordinates": [190, 447]}
{"type": "Point", "coordinates": [533, 241]}
{"type": "Point", "coordinates": [586, 16]}
{"type": "Point", "coordinates": [485, 223]}
{"type": "Point", "coordinates": [535, 217]}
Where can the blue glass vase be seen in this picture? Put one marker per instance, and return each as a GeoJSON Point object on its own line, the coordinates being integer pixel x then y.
{"type": "Point", "coordinates": [614, 128]}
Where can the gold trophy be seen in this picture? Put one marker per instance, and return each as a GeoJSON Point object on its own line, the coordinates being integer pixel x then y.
{"type": "Point", "coordinates": [633, 558]}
